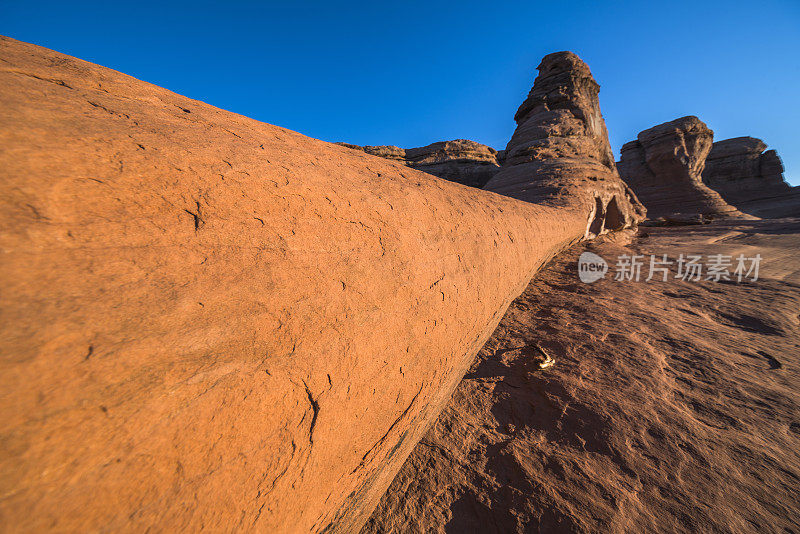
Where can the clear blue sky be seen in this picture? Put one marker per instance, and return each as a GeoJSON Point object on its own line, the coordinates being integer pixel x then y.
{"type": "Point", "coordinates": [410, 73]}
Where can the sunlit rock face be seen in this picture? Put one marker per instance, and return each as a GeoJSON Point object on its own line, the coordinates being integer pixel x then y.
{"type": "Point", "coordinates": [209, 322]}
{"type": "Point", "coordinates": [664, 166]}
{"type": "Point", "coordinates": [559, 154]}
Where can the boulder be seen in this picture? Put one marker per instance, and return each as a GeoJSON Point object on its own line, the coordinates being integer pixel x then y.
{"type": "Point", "coordinates": [664, 166]}
{"type": "Point", "coordinates": [750, 177]}
{"type": "Point", "coordinates": [559, 154]}
{"type": "Point", "coordinates": [209, 322]}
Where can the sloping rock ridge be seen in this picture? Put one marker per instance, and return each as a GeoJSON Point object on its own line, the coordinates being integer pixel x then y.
{"type": "Point", "coordinates": [664, 166]}
{"type": "Point", "coordinates": [461, 160]}
{"type": "Point", "coordinates": [559, 154]}
{"type": "Point", "coordinates": [212, 322]}
{"type": "Point", "coordinates": [750, 177]}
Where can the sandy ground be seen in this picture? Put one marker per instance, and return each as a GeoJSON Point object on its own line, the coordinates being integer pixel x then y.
{"type": "Point", "coordinates": [673, 406]}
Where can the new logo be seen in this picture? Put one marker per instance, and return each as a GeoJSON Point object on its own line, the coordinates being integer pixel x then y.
{"type": "Point", "coordinates": [591, 267]}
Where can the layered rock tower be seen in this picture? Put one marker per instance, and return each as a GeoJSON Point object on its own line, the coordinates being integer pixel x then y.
{"type": "Point", "coordinates": [750, 177]}
{"type": "Point", "coordinates": [559, 154]}
{"type": "Point", "coordinates": [664, 166]}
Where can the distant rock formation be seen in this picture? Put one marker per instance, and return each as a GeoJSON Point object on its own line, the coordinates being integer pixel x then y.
{"type": "Point", "coordinates": [461, 160]}
{"type": "Point", "coordinates": [750, 177]}
{"type": "Point", "coordinates": [390, 152]}
{"type": "Point", "coordinates": [664, 166]}
{"type": "Point", "coordinates": [560, 155]}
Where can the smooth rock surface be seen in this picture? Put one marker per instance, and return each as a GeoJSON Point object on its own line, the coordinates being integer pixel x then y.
{"type": "Point", "coordinates": [750, 177]}
{"type": "Point", "coordinates": [664, 167]}
{"type": "Point", "coordinates": [209, 322]}
{"type": "Point", "coordinates": [559, 154]}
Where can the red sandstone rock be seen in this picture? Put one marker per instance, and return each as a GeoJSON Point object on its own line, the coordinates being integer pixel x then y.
{"type": "Point", "coordinates": [461, 160]}
{"type": "Point", "coordinates": [664, 167]}
{"type": "Point", "coordinates": [559, 154]}
{"type": "Point", "coordinates": [212, 322]}
{"type": "Point", "coordinates": [750, 177]}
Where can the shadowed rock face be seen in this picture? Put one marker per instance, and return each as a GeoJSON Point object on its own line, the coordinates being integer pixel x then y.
{"type": "Point", "coordinates": [209, 321]}
{"type": "Point", "coordinates": [750, 177]}
{"type": "Point", "coordinates": [664, 167]}
{"type": "Point", "coordinates": [461, 160]}
{"type": "Point", "coordinates": [559, 154]}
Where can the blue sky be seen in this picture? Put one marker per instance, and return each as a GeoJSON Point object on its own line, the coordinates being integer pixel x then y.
{"type": "Point", "coordinates": [411, 73]}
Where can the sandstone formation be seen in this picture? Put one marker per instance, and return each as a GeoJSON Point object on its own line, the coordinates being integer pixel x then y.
{"type": "Point", "coordinates": [461, 160]}
{"type": "Point", "coordinates": [664, 167]}
{"type": "Point", "coordinates": [212, 322]}
{"type": "Point", "coordinates": [750, 177]}
{"type": "Point", "coordinates": [559, 154]}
